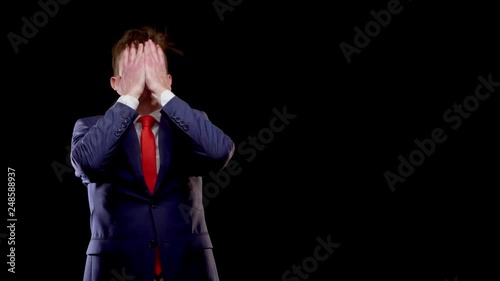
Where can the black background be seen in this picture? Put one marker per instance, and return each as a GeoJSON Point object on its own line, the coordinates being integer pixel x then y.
{"type": "Point", "coordinates": [323, 175]}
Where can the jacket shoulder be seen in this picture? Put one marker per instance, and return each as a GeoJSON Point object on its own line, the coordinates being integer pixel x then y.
{"type": "Point", "coordinates": [88, 120]}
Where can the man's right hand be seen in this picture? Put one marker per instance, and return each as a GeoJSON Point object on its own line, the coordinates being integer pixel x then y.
{"type": "Point", "coordinates": [132, 79]}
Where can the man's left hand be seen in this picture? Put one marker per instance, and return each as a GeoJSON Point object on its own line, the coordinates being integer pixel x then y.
{"type": "Point", "coordinates": [157, 77]}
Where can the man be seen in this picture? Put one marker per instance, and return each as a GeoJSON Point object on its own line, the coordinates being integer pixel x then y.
{"type": "Point", "coordinates": [146, 218]}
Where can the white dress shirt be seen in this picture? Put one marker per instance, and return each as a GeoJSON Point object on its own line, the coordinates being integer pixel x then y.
{"type": "Point", "coordinates": [132, 102]}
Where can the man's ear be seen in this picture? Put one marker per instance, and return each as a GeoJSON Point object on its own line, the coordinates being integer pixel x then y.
{"type": "Point", "coordinates": [113, 81]}
{"type": "Point", "coordinates": [169, 81]}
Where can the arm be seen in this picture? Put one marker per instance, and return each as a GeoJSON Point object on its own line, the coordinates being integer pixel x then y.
{"type": "Point", "coordinates": [94, 141]}
{"type": "Point", "coordinates": [208, 144]}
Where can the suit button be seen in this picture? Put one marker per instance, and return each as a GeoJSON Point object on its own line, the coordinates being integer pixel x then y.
{"type": "Point", "coordinates": [154, 204]}
{"type": "Point", "coordinates": [152, 244]}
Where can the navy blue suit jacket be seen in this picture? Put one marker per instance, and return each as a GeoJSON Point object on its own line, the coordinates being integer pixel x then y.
{"type": "Point", "coordinates": [127, 222]}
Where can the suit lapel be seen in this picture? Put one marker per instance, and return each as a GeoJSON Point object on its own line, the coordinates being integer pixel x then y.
{"type": "Point", "coordinates": [165, 147]}
{"type": "Point", "coordinates": [133, 151]}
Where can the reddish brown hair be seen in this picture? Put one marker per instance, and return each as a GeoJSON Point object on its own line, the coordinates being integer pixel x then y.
{"type": "Point", "coordinates": [140, 35]}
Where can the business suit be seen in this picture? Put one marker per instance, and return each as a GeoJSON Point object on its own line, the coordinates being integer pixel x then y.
{"type": "Point", "coordinates": [128, 222]}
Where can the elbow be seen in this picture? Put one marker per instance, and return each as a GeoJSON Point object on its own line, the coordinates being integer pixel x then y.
{"type": "Point", "coordinates": [84, 165]}
{"type": "Point", "coordinates": [224, 155]}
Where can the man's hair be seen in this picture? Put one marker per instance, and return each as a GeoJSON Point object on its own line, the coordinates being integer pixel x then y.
{"type": "Point", "coordinates": [141, 35]}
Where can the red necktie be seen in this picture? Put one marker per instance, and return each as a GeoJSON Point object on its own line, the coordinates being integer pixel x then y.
{"type": "Point", "coordinates": [148, 154]}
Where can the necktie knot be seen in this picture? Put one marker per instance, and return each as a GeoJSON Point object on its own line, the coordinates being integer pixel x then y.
{"type": "Point", "coordinates": [147, 121]}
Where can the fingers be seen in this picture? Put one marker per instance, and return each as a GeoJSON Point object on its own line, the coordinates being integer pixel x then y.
{"type": "Point", "coordinates": [161, 56]}
{"type": "Point", "coordinates": [156, 52]}
{"type": "Point", "coordinates": [132, 54]}
{"type": "Point", "coordinates": [125, 58]}
{"type": "Point", "coordinates": [147, 50]}
{"type": "Point", "coordinates": [152, 50]}
{"type": "Point", "coordinates": [140, 53]}
{"type": "Point", "coordinates": [140, 49]}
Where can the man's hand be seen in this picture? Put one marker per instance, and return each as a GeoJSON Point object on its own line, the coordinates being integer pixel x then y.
{"type": "Point", "coordinates": [157, 77]}
{"type": "Point", "coordinates": [132, 79]}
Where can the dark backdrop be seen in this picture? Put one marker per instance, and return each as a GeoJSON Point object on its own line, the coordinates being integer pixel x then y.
{"type": "Point", "coordinates": [321, 178]}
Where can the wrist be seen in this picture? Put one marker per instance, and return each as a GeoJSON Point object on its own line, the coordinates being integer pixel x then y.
{"type": "Point", "coordinates": [158, 91]}
{"type": "Point", "coordinates": [129, 100]}
{"type": "Point", "coordinates": [165, 97]}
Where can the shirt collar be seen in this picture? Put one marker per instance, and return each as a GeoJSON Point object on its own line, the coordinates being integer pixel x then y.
{"type": "Point", "coordinates": [156, 115]}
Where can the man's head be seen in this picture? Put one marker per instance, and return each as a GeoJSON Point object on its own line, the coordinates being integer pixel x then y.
{"type": "Point", "coordinates": [133, 37]}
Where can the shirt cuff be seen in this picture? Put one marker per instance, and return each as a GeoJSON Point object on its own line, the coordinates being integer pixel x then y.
{"type": "Point", "coordinates": [165, 97]}
{"type": "Point", "coordinates": [129, 101]}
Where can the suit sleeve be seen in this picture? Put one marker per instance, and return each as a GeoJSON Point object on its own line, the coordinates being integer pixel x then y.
{"type": "Point", "coordinates": [210, 147]}
{"type": "Point", "coordinates": [95, 139]}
